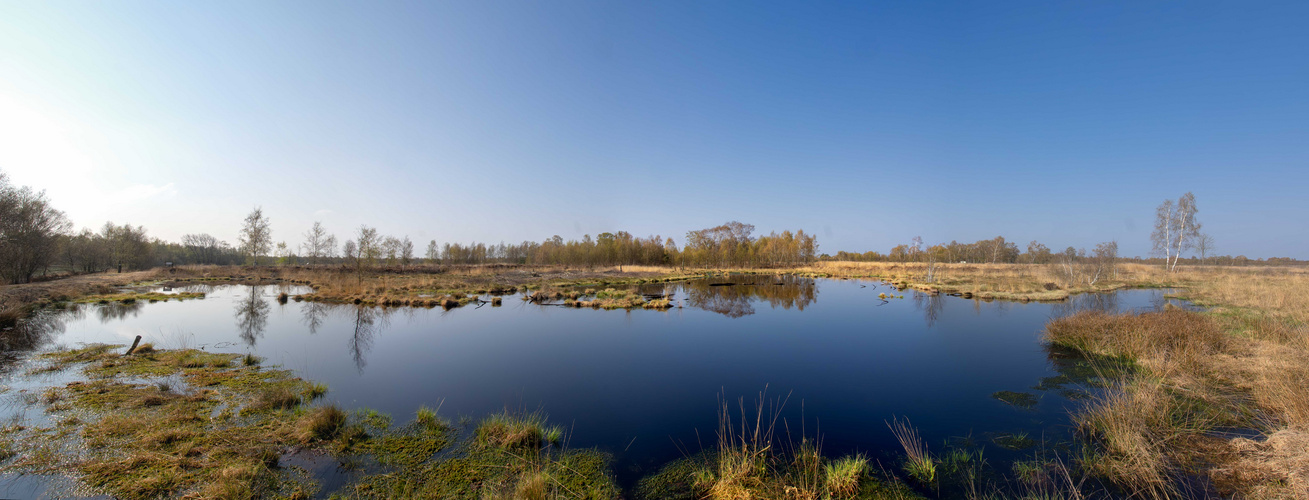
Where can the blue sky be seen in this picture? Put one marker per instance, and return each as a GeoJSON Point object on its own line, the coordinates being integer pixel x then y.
{"type": "Point", "coordinates": [866, 123]}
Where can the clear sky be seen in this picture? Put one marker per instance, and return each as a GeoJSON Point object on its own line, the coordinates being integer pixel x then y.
{"type": "Point", "coordinates": [867, 123]}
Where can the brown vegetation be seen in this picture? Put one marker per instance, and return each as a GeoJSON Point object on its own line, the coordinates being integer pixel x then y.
{"type": "Point", "coordinates": [1242, 364]}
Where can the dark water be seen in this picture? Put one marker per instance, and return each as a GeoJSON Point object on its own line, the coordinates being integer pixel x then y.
{"type": "Point", "coordinates": [641, 383]}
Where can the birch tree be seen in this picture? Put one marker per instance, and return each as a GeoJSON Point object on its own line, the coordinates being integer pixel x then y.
{"type": "Point", "coordinates": [406, 251]}
{"type": "Point", "coordinates": [1204, 245]}
{"type": "Point", "coordinates": [318, 244]}
{"type": "Point", "coordinates": [433, 252]}
{"type": "Point", "coordinates": [368, 247]}
{"type": "Point", "coordinates": [256, 236]}
{"type": "Point", "coordinates": [1175, 229]}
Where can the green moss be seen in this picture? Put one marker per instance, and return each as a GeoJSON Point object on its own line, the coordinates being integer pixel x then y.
{"type": "Point", "coordinates": [373, 419]}
{"type": "Point", "coordinates": [408, 447]}
{"type": "Point", "coordinates": [677, 480]}
{"type": "Point", "coordinates": [91, 352]}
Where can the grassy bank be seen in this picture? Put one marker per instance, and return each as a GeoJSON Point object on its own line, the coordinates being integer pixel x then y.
{"type": "Point", "coordinates": [447, 286]}
{"type": "Point", "coordinates": [1202, 378]}
{"type": "Point", "coordinates": [193, 424]}
{"type": "Point", "coordinates": [453, 286]}
{"type": "Point", "coordinates": [161, 424]}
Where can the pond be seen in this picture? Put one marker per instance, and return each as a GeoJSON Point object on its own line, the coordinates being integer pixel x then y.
{"type": "Point", "coordinates": [646, 385]}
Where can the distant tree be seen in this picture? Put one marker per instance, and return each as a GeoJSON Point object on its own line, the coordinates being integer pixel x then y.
{"type": "Point", "coordinates": [285, 256]}
{"type": "Point", "coordinates": [1037, 253]}
{"type": "Point", "coordinates": [1204, 245]}
{"type": "Point", "coordinates": [368, 247]}
{"type": "Point", "coordinates": [318, 243]}
{"type": "Point", "coordinates": [1175, 229]}
{"type": "Point", "coordinates": [1066, 265]}
{"type": "Point", "coordinates": [1104, 262]}
{"type": "Point", "coordinates": [127, 246]}
{"type": "Point", "coordinates": [406, 251]}
{"type": "Point", "coordinates": [203, 248]}
{"type": "Point", "coordinates": [256, 236]}
{"type": "Point", "coordinates": [433, 252]}
{"type": "Point", "coordinates": [391, 250]}
{"type": "Point", "coordinates": [350, 252]}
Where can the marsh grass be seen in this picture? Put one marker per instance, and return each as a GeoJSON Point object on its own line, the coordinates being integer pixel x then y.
{"type": "Point", "coordinates": [918, 463]}
{"type": "Point", "coordinates": [752, 459]}
{"type": "Point", "coordinates": [517, 431]}
{"type": "Point", "coordinates": [841, 477]}
{"type": "Point", "coordinates": [1244, 363]}
{"type": "Point", "coordinates": [161, 437]}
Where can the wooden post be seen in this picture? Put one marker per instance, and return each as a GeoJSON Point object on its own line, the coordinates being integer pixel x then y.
{"type": "Point", "coordinates": [133, 348]}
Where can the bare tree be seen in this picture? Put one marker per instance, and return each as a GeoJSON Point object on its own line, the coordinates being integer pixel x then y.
{"type": "Point", "coordinates": [256, 236]}
{"type": "Point", "coordinates": [1103, 263]}
{"type": "Point", "coordinates": [127, 246]}
{"type": "Point", "coordinates": [406, 251]}
{"type": "Point", "coordinates": [1066, 265]}
{"type": "Point", "coordinates": [367, 248]}
{"type": "Point", "coordinates": [433, 252]}
{"type": "Point", "coordinates": [318, 244]}
{"type": "Point", "coordinates": [30, 230]}
{"type": "Point", "coordinates": [391, 249]}
{"type": "Point", "coordinates": [350, 253]}
{"type": "Point", "coordinates": [1175, 229]}
{"type": "Point", "coordinates": [1204, 245]}
{"type": "Point", "coordinates": [204, 249]}
{"type": "Point", "coordinates": [1037, 253]}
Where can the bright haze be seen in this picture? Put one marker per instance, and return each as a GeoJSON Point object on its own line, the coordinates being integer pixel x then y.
{"type": "Point", "coordinates": [866, 123]}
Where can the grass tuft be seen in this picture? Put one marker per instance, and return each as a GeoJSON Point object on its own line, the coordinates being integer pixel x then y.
{"type": "Point", "coordinates": [918, 461]}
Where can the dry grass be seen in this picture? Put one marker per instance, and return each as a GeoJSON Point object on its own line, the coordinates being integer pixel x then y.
{"type": "Point", "coordinates": [426, 286]}
{"type": "Point", "coordinates": [1244, 363]}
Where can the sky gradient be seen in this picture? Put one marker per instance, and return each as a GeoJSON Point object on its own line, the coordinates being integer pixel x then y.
{"type": "Point", "coordinates": [865, 123]}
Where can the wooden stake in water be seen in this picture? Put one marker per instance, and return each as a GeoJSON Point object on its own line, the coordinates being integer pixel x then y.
{"type": "Point", "coordinates": [133, 348]}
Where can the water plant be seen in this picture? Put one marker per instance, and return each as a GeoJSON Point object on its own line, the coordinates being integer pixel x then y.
{"type": "Point", "coordinates": [841, 477]}
{"type": "Point", "coordinates": [1024, 400]}
{"type": "Point", "coordinates": [1014, 441]}
{"type": "Point", "coordinates": [918, 463]}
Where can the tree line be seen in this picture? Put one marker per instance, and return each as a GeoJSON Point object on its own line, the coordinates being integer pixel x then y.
{"type": "Point", "coordinates": [35, 237]}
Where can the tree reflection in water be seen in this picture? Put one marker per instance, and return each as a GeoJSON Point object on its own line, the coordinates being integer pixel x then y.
{"type": "Point", "coordinates": [368, 322]}
{"type": "Point", "coordinates": [252, 315]}
{"type": "Point", "coordinates": [931, 306]}
{"type": "Point", "coordinates": [115, 311]}
{"type": "Point", "coordinates": [313, 315]}
{"type": "Point", "coordinates": [1103, 302]}
{"type": "Point", "coordinates": [736, 300]}
{"type": "Point", "coordinates": [32, 332]}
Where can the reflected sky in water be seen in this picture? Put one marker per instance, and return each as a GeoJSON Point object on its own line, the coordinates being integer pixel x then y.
{"type": "Point", "coordinates": [641, 383]}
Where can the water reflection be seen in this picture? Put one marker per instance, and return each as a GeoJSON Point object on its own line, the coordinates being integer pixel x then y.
{"type": "Point", "coordinates": [252, 315]}
{"type": "Point", "coordinates": [734, 296]}
{"type": "Point", "coordinates": [368, 322]}
{"type": "Point", "coordinates": [33, 331]}
{"type": "Point", "coordinates": [1104, 302]}
{"type": "Point", "coordinates": [931, 306]}
{"type": "Point", "coordinates": [312, 315]}
{"type": "Point", "coordinates": [572, 364]}
{"type": "Point", "coordinates": [116, 311]}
